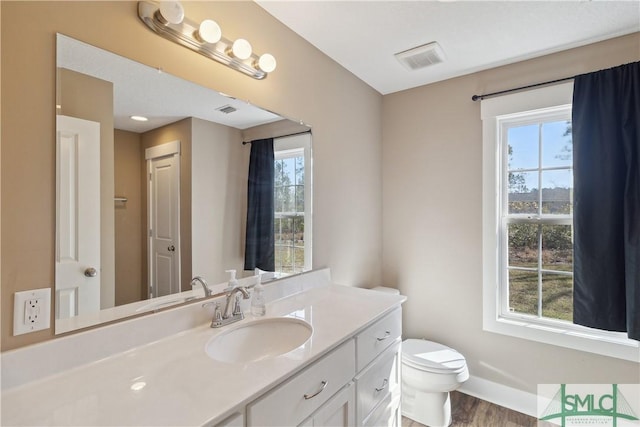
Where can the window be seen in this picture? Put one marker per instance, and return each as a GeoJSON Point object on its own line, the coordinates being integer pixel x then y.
{"type": "Point", "coordinates": [292, 195]}
{"type": "Point", "coordinates": [536, 187]}
{"type": "Point", "coordinates": [527, 223]}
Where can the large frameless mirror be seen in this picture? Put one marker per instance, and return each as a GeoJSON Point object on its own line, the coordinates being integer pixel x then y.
{"type": "Point", "coordinates": [151, 187]}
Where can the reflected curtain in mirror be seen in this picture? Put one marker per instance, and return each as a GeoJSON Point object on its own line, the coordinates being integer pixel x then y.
{"type": "Point", "coordinates": [606, 138]}
{"type": "Point", "coordinates": [260, 239]}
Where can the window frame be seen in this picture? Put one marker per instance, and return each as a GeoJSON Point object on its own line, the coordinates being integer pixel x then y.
{"type": "Point", "coordinates": [292, 146]}
{"type": "Point", "coordinates": [496, 317]}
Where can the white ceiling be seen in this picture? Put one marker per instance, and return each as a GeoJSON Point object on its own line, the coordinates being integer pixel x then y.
{"type": "Point", "coordinates": [145, 91]}
{"type": "Point", "coordinates": [363, 36]}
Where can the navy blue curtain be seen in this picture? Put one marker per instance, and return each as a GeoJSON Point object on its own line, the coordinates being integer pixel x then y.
{"type": "Point", "coordinates": [260, 239]}
{"type": "Point", "coordinates": [606, 147]}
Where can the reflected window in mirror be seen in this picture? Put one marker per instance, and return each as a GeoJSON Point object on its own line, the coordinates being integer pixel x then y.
{"type": "Point", "coordinates": [292, 194]}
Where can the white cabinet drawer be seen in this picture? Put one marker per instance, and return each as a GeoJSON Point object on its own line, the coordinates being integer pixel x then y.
{"type": "Point", "coordinates": [378, 381]}
{"type": "Point", "coordinates": [293, 401]}
{"type": "Point", "coordinates": [373, 340]}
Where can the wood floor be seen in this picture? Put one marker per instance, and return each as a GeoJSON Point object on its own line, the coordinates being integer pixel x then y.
{"type": "Point", "coordinates": [468, 411]}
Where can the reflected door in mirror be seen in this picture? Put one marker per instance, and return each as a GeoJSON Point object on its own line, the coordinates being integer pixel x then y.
{"type": "Point", "coordinates": [78, 222]}
{"type": "Point", "coordinates": [163, 163]}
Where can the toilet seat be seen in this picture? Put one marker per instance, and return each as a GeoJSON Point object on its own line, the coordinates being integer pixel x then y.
{"type": "Point", "coordinates": [433, 357]}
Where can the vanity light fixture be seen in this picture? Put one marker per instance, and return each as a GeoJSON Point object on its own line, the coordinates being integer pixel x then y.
{"type": "Point", "coordinates": [170, 12]}
{"type": "Point", "coordinates": [167, 19]}
{"type": "Point", "coordinates": [241, 49]}
{"type": "Point", "coordinates": [266, 62]}
{"type": "Point", "coordinates": [209, 31]}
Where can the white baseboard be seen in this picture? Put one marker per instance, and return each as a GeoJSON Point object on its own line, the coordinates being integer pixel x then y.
{"type": "Point", "coordinates": [501, 395]}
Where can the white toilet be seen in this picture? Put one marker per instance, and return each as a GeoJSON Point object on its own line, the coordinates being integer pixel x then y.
{"type": "Point", "coordinates": [429, 372]}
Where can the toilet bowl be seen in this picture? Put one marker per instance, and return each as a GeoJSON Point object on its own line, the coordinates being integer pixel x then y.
{"type": "Point", "coordinates": [429, 372]}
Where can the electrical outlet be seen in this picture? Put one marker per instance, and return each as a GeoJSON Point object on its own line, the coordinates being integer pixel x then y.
{"type": "Point", "coordinates": [31, 311]}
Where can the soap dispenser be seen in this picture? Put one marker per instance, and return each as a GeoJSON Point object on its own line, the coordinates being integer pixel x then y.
{"type": "Point", "coordinates": [233, 282]}
{"type": "Point", "coordinates": [258, 307]}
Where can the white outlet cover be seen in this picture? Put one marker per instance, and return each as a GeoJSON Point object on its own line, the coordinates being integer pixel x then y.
{"type": "Point", "coordinates": [20, 326]}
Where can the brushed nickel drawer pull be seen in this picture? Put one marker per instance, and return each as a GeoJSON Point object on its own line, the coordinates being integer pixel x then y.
{"type": "Point", "coordinates": [387, 334]}
{"type": "Point", "coordinates": [384, 385]}
{"type": "Point", "coordinates": [311, 396]}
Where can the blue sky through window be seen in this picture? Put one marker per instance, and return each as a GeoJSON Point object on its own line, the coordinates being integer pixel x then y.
{"type": "Point", "coordinates": [526, 141]}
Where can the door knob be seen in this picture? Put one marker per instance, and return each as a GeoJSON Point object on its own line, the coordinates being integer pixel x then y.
{"type": "Point", "coordinates": [91, 272]}
{"type": "Point", "coordinates": [171, 248]}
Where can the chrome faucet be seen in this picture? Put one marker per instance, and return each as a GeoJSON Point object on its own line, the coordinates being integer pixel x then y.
{"type": "Point", "coordinates": [207, 291]}
{"type": "Point", "coordinates": [231, 295]}
{"type": "Point", "coordinates": [229, 314]}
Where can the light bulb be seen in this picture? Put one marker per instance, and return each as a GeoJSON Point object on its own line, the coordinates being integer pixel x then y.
{"type": "Point", "coordinates": [267, 63]}
{"type": "Point", "coordinates": [209, 31]}
{"type": "Point", "coordinates": [241, 49]}
{"type": "Point", "coordinates": [171, 12]}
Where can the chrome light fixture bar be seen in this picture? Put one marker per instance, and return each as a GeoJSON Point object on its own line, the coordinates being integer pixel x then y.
{"type": "Point", "coordinates": [167, 19]}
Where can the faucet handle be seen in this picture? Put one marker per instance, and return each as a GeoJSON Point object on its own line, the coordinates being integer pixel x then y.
{"type": "Point", "coordinates": [236, 306]}
{"type": "Point", "coordinates": [216, 321]}
{"type": "Point", "coordinates": [217, 313]}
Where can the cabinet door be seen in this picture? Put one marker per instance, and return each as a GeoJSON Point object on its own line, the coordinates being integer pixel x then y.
{"type": "Point", "coordinates": [339, 411]}
{"type": "Point", "coordinates": [387, 413]}
{"type": "Point", "coordinates": [380, 379]}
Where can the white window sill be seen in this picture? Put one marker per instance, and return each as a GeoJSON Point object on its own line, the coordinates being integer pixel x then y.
{"type": "Point", "coordinates": [612, 344]}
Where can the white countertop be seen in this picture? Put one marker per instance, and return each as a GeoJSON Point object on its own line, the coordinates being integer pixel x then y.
{"type": "Point", "coordinates": [183, 386]}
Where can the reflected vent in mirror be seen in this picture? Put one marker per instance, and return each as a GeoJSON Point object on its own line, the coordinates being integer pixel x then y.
{"type": "Point", "coordinates": [227, 109]}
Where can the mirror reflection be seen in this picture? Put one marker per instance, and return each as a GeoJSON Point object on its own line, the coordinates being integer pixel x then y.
{"type": "Point", "coordinates": [151, 182]}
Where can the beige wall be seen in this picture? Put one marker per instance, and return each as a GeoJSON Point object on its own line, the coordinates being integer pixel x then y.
{"type": "Point", "coordinates": [219, 193]}
{"type": "Point", "coordinates": [129, 222]}
{"type": "Point", "coordinates": [345, 114]}
{"type": "Point", "coordinates": [89, 98]}
{"type": "Point", "coordinates": [432, 220]}
{"type": "Point", "coordinates": [178, 131]}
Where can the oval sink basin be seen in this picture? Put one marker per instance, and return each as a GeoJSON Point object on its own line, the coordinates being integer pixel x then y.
{"type": "Point", "coordinates": [259, 340]}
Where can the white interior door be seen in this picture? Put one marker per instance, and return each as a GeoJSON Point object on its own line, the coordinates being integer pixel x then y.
{"type": "Point", "coordinates": [78, 222]}
{"type": "Point", "coordinates": [163, 165]}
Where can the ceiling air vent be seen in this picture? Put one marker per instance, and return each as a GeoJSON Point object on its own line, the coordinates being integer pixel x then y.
{"type": "Point", "coordinates": [226, 109]}
{"type": "Point", "coordinates": [421, 56]}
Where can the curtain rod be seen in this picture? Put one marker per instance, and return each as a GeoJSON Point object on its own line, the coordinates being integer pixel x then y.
{"type": "Point", "coordinates": [488, 95]}
{"type": "Point", "coordinates": [282, 136]}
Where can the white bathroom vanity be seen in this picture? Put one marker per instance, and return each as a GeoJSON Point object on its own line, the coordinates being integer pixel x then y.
{"type": "Point", "coordinates": [154, 370]}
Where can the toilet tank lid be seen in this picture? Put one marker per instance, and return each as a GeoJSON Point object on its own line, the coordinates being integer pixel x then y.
{"type": "Point", "coordinates": [386, 289]}
{"type": "Point", "coordinates": [432, 355]}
